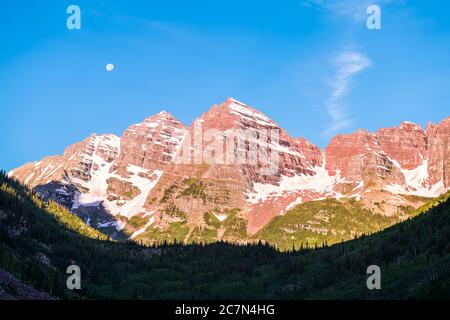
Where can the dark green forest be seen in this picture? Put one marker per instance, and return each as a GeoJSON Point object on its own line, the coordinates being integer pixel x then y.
{"type": "Point", "coordinates": [39, 240]}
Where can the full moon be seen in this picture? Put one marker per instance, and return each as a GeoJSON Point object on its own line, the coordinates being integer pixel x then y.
{"type": "Point", "coordinates": [109, 67]}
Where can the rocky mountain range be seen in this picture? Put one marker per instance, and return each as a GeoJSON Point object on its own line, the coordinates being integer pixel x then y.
{"type": "Point", "coordinates": [234, 170]}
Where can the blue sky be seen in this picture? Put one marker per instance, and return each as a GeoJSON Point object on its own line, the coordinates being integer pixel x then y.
{"type": "Point", "coordinates": [311, 65]}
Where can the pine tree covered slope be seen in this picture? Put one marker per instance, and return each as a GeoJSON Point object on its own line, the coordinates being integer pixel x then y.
{"type": "Point", "coordinates": [310, 224]}
{"type": "Point", "coordinates": [325, 222]}
{"type": "Point", "coordinates": [38, 241]}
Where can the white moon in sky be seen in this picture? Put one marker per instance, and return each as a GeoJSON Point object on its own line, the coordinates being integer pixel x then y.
{"type": "Point", "coordinates": [109, 67]}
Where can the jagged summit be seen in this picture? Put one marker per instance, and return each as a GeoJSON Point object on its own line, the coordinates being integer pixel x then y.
{"type": "Point", "coordinates": [166, 115]}
{"type": "Point", "coordinates": [161, 116]}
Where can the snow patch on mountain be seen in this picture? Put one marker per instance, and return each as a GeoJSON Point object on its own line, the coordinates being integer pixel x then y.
{"type": "Point", "coordinates": [220, 217]}
{"type": "Point", "coordinates": [417, 177]}
{"type": "Point", "coordinates": [432, 191]}
{"type": "Point", "coordinates": [416, 182]}
{"type": "Point", "coordinates": [242, 110]}
{"type": "Point", "coordinates": [360, 185]}
{"type": "Point", "coordinates": [321, 182]}
{"type": "Point", "coordinates": [136, 205]}
{"type": "Point", "coordinates": [100, 172]}
{"type": "Point", "coordinates": [27, 180]}
{"type": "Point", "coordinates": [297, 201]}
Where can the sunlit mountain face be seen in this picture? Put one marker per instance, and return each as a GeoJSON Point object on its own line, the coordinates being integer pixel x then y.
{"type": "Point", "coordinates": [234, 167]}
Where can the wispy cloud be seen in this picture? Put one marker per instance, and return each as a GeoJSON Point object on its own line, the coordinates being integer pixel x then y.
{"type": "Point", "coordinates": [348, 64]}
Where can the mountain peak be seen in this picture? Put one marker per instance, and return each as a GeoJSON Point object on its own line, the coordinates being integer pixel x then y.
{"type": "Point", "coordinates": [162, 116]}
{"type": "Point", "coordinates": [245, 111]}
{"type": "Point", "coordinates": [165, 114]}
{"type": "Point", "coordinates": [232, 100]}
{"type": "Point", "coordinates": [412, 125]}
{"type": "Point", "coordinates": [232, 113]}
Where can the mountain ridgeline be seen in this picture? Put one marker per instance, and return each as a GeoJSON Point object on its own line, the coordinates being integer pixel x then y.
{"type": "Point", "coordinates": [40, 239]}
{"type": "Point", "coordinates": [152, 184]}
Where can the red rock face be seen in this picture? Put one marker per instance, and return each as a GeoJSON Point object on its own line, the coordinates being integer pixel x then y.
{"type": "Point", "coordinates": [406, 144]}
{"type": "Point", "coordinates": [287, 156]}
{"type": "Point", "coordinates": [346, 154]}
{"type": "Point", "coordinates": [76, 162]}
{"type": "Point", "coordinates": [439, 152]}
{"type": "Point", "coordinates": [403, 148]}
{"type": "Point", "coordinates": [235, 157]}
{"type": "Point", "coordinates": [400, 160]}
{"type": "Point", "coordinates": [151, 144]}
{"type": "Point", "coordinates": [243, 122]}
{"type": "Point", "coordinates": [360, 157]}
